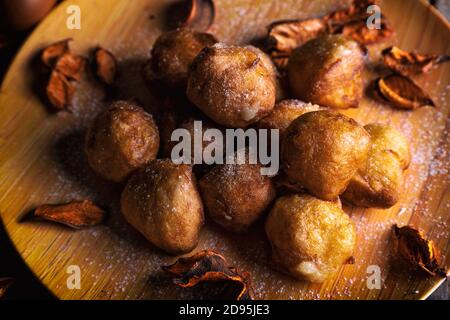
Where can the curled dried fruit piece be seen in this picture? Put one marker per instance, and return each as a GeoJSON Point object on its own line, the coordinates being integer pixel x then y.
{"type": "Point", "coordinates": [402, 92]}
{"type": "Point", "coordinates": [60, 90]}
{"type": "Point", "coordinates": [359, 31]}
{"type": "Point", "coordinates": [65, 70]}
{"type": "Point", "coordinates": [53, 52]}
{"type": "Point", "coordinates": [70, 66]}
{"type": "Point", "coordinates": [410, 63]}
{"type": "Point", "coordinates": [201, 15]}
{"type": "Point", "coordinates": [5, 283]}
{"type": "Point", "coordinates": [411, 245]}
{"type": "Point", "coordinates": [78, 214]}
{"type": "Point", "coordinates": [285, 36]}
{"type": "Point", "coordinates": [105, 66]}
{"type": "Point", "coordinates": [209, 266]}
{"type": "Point", "coordinates": [353, 23]}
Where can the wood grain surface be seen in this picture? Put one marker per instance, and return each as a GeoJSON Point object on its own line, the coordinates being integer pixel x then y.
{"type": "Point", "coordinates": [41, 159]}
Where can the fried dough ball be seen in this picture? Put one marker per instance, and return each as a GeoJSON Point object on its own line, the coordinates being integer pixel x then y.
{"type": "Point", "coordinates": [327, 71]}
{"type": "Point", "coordinates": [310, 238]}
{"type": "Point", "coordinates": [232, 85]}
{"type": "Point", "coordinates": [322, 150]}
{"type": "Point", "coordinates": [162, 202]}
{"type": "Point", "coordinates": [385, 137]}
{"type": "Point", "coordinates": [189, 125]}
{"type": "Point", "coordinates": [268, 63]}
{"type": "Point", "coordinates": [173, 53]}
{"type": "Point", "coordinates": [379, 181]}
{"type": "Point", "coordinates": [121, 140]}
{"type": "Point", "coordinates": [236, 195]}
{"type": "Point", "coordinates": [284, 113]}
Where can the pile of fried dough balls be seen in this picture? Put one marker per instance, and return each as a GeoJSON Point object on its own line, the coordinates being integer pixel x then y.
{"type": "Point", "coordinates": [327, 154]}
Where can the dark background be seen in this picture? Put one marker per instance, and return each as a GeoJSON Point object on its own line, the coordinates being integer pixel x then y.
{"type": "Point", "coordinates": [25, 285]}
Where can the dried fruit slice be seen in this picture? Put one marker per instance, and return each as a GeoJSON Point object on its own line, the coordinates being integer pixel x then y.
{"type": "Point", "coordinates": [209, 266]}
{"type": "Point", "coordinates": [357, 11]}
{"type": "Point", "coordinates": [201, 15]}
{"type": "Point", "coordinates": [411, 245]}
{"type": "Point", "coordinates": [60, 91]}
{"type": "Point", "coordinates": [359, 32]}
{"type": "Point", "coordinates": [105, 66]}
{"type": "Point", "coordinates": [51, 54]}
{"type": "Point", "coordinates": [402, 92]}
{"type": "Point", "coordinates": [75, 214]}
{"type": "Point", "coordinates": [410, 63]}
{"type": "Point", "coordinates": [70, 66]}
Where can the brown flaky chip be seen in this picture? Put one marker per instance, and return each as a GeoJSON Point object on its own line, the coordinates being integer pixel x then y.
{"type": "Point", "coordinates": [359, 32]}
{"type": "Point", "coordinates": [402, 92]}
{"type": "Point", "coordinates": [410, 244]}
{"type": "Point", "coordinates": [71, 66]}
{"type": "Point", "coordinates": [53, 52]}
{"type": "Point", "coordinates": [209, 266]}
{"type": "Point", "coordinates": [201, 15]}
{"type": "Point", "coordinates": [60, 90]}
{"type": "Point", "coordinates": [410, 63]}
{"type": "Point", "coordinates": [105, 65]}
{"type": "Point", "coordinates": [5, 283]}
{"type": "Point", "coordinates": [77, 214]}
{"type": "Point", "coordinates": [65, 69]}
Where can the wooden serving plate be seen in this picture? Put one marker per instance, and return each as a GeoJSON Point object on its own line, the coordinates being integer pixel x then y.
{"type": "Point", "coordinates": [41, 160]}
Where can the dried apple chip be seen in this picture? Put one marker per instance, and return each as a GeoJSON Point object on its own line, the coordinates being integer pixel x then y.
{"type": "Point", "coordinates": [359, 32]}
{"type": "Point", "coordinates": [60, 90]}
{"type": "Point", "coordinates": [105, 66]}
{"type": "Point", "coordinates": [209, 266]}
{"type": "Point", "coordinates": [411, 245]}
{"type": "Point", "coordinates": [71, 66]}
{"type": "Point", "coordinates": [402, 92]}
{"type": "Point", "coordinates": [65, 70]}
{"type": "Point", "coordinates": [77, 214]}
{"type": "Point", "coordinates": [410, 63]}
{"type": "Point", "coordinates": [201, 15]}
{"type": "Point", "coordinates": [53, 52]}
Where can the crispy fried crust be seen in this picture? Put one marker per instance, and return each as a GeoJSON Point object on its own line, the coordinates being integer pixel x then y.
{"type": "Point", "coordinates": [284, 113]}
{"type": "Point", "coordinates": [173, 53]}
{"type": "Point", "coordinates": [232, 85]}
{"type": "Point", "coordinates": [310, 238]}
{"type": "Point", "coordinates": [162, 202]}
{"type": "Point", "coordinates": [121, 140]}
{"type": "Point", "coordinates": [322, 150]}
{"type": "Point", "coordinates": [235, 196]}
{"type": "Point", "coordinates": [327, 71]}
{"type": "Point", "coordinates": [379, 181]}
